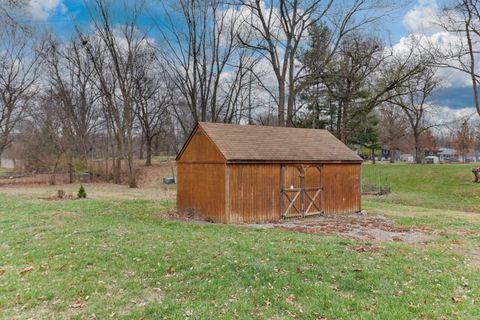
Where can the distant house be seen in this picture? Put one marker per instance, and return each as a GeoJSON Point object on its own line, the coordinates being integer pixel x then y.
{"type": "Point", "coordinates": [386, 155]}
{"type": "Point", "coordinates": [407, 157]}
{"type": "Point", "coordinates": [7, 163]}
{"type": "Point", "coordinates": [447, 155]}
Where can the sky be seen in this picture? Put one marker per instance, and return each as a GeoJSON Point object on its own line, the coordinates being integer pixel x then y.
{"type": "Point", "coordinates": [454, 99]}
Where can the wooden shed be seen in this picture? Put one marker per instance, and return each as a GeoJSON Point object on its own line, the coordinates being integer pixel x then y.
{"type": "Point", "coordinates": [239, 173]}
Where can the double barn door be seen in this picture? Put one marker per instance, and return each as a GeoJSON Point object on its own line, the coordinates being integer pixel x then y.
{"type": "Point", "coordinates": [301, 190]}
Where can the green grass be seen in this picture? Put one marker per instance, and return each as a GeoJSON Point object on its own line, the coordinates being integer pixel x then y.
{"type": "Point", "coordinates": [110, 257]}
{"type": "Point", "coordinates": [446, 186]}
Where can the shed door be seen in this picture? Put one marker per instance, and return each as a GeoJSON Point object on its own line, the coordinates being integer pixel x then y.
{"type": "Point", "coordinates": [301, 190]}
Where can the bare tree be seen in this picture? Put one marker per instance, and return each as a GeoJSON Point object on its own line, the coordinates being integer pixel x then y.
{"type": "Point", "coordinates": [19, 71]}
{"type": "Point", "coordinates": [282, 31]}
{"type": "Point", "coordinates": [461, 19]}
{"type": "Point", "coordinates": [114, 51]}
{"type": "Point", "coordinates": [204, 59]}
{"type": "Point", "coordinates": [10, 11]}
{"type": "Point", "coordinates": [152, 98]}
{"type": "Point", "coordinates": [464, 140]}
{"type": "Point", "coordinates": [393, 128]}
{"type": "Point", "coordinates": [71, 74]}
{"type": "Point", "coordinates": [44, 140]}
{"type": "Point", "coordinates": [413, 99]}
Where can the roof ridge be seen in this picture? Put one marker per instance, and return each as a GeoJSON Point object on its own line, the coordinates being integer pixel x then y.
{"type": "Point", "coordinates": [268, 143]}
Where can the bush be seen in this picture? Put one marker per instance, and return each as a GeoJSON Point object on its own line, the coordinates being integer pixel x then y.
{"type": "Point", "coordinates": [61, 194]}
{"type": "Point", "coordinates": [82, 193]}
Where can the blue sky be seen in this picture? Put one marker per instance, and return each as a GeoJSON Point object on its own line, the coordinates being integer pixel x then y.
{"type": "Point", "coordinates": [60, 16]}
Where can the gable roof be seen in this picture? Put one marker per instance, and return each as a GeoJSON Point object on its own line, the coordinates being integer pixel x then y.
{"type": "Point", "coordinates": [263, 143]}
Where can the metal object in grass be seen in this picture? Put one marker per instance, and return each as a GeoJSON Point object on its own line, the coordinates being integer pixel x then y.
{"type": "Point", "coordinates": [168, 180]}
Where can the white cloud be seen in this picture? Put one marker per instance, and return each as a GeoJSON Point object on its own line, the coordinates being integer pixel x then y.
{"type": "Point", "coordinates": [448, 118]}
{"type": "Point", "coordinates": [42, 9]}
{"type": "Point", "coordinates": [421, 19]}
{"type": "Point", "coordinates": [441, 41]}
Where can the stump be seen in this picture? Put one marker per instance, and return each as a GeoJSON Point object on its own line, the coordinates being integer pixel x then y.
{"type": "Point", "coordinates": [477, 175]}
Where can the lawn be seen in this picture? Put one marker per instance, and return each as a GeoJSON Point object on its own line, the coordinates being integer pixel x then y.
{"type": "Point", "coordinates": [445, 186]}
{"type": "Point", "coordinates": [113, 256]}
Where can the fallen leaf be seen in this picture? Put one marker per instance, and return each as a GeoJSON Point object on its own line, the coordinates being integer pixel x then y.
{"type": "Point", "coordinates": [188, 313]}
{"type": "Point", "coordinates": [299, 270]}
{"type": "Point", "coordinates": [171, 270]}
{"type": "Point", "coordinates": [278, 270]}
{"type": "Point", "coordinates": [290, 299]}
{"type": "Point", "coordinates": [456, 299]}
{"type": "Point", "coordinates": [78, 304]}
{"type": "Point", "coordinates": [25, 270]}
{"type": "Point", "coordinates": [56, 301]}
{"type": "Point", "coordinates": [2, 271]}
{"type": "Point", "coordinates": [357, 270]}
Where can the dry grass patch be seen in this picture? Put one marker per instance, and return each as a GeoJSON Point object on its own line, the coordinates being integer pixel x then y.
{"type": "Point", "coordinates": [364, 228]}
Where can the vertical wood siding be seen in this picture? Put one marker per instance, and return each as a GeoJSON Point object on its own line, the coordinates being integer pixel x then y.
{"type": "Point", "coordinates": [201, 187]}
{"type": "Point", "coordinates": [201, 149]}
{"type": "Point", "coordinates": [342, 188]}
{"type": "Point", "coordinates": [254, 192]}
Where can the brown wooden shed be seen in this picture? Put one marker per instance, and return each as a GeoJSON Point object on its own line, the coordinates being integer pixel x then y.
{"type": "Point", "coordinates": [239, 173]}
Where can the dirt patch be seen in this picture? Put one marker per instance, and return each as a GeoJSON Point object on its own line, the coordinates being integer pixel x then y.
{"type": "Point", "coordinates": [472, 257]}
{"type": "Point", "coordinates": [151, 295]}
{"type": "Point", "coordinates": [359, 227]}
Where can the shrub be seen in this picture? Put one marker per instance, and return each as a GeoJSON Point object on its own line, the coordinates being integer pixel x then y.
{"type": "Point", "coordinates": [82, 193]}
{"type": "Point", "coordinates": [61, 194]}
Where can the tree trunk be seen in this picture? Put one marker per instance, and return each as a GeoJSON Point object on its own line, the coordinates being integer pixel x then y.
{"type": "Point", "coordinates": [117, 162]}
{"type": "Point", "coordinates": [281, 105]}
{"type": "Point", "coordinates": [54, 174]}
{"type": "Point", "coordinates": [70, 170]}
{"type": "Point", "coordinates": [148, 162]}
{"type": "Point", "coordinates": [418, 148]}
{"type": "Point", "coordinates": [291, 93]}
{"type": "Point", "coordinates": [107, 174]}
{"type": "Point", "coordinates": [132, 183]}
{"type": "Point", "coordinates": [373, 156]}
{"type": "Point", "coordinates": [142, 142]}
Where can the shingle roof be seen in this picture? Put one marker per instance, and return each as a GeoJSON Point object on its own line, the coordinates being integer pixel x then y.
{"type": "Point", "coordinates": [262, 143]}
